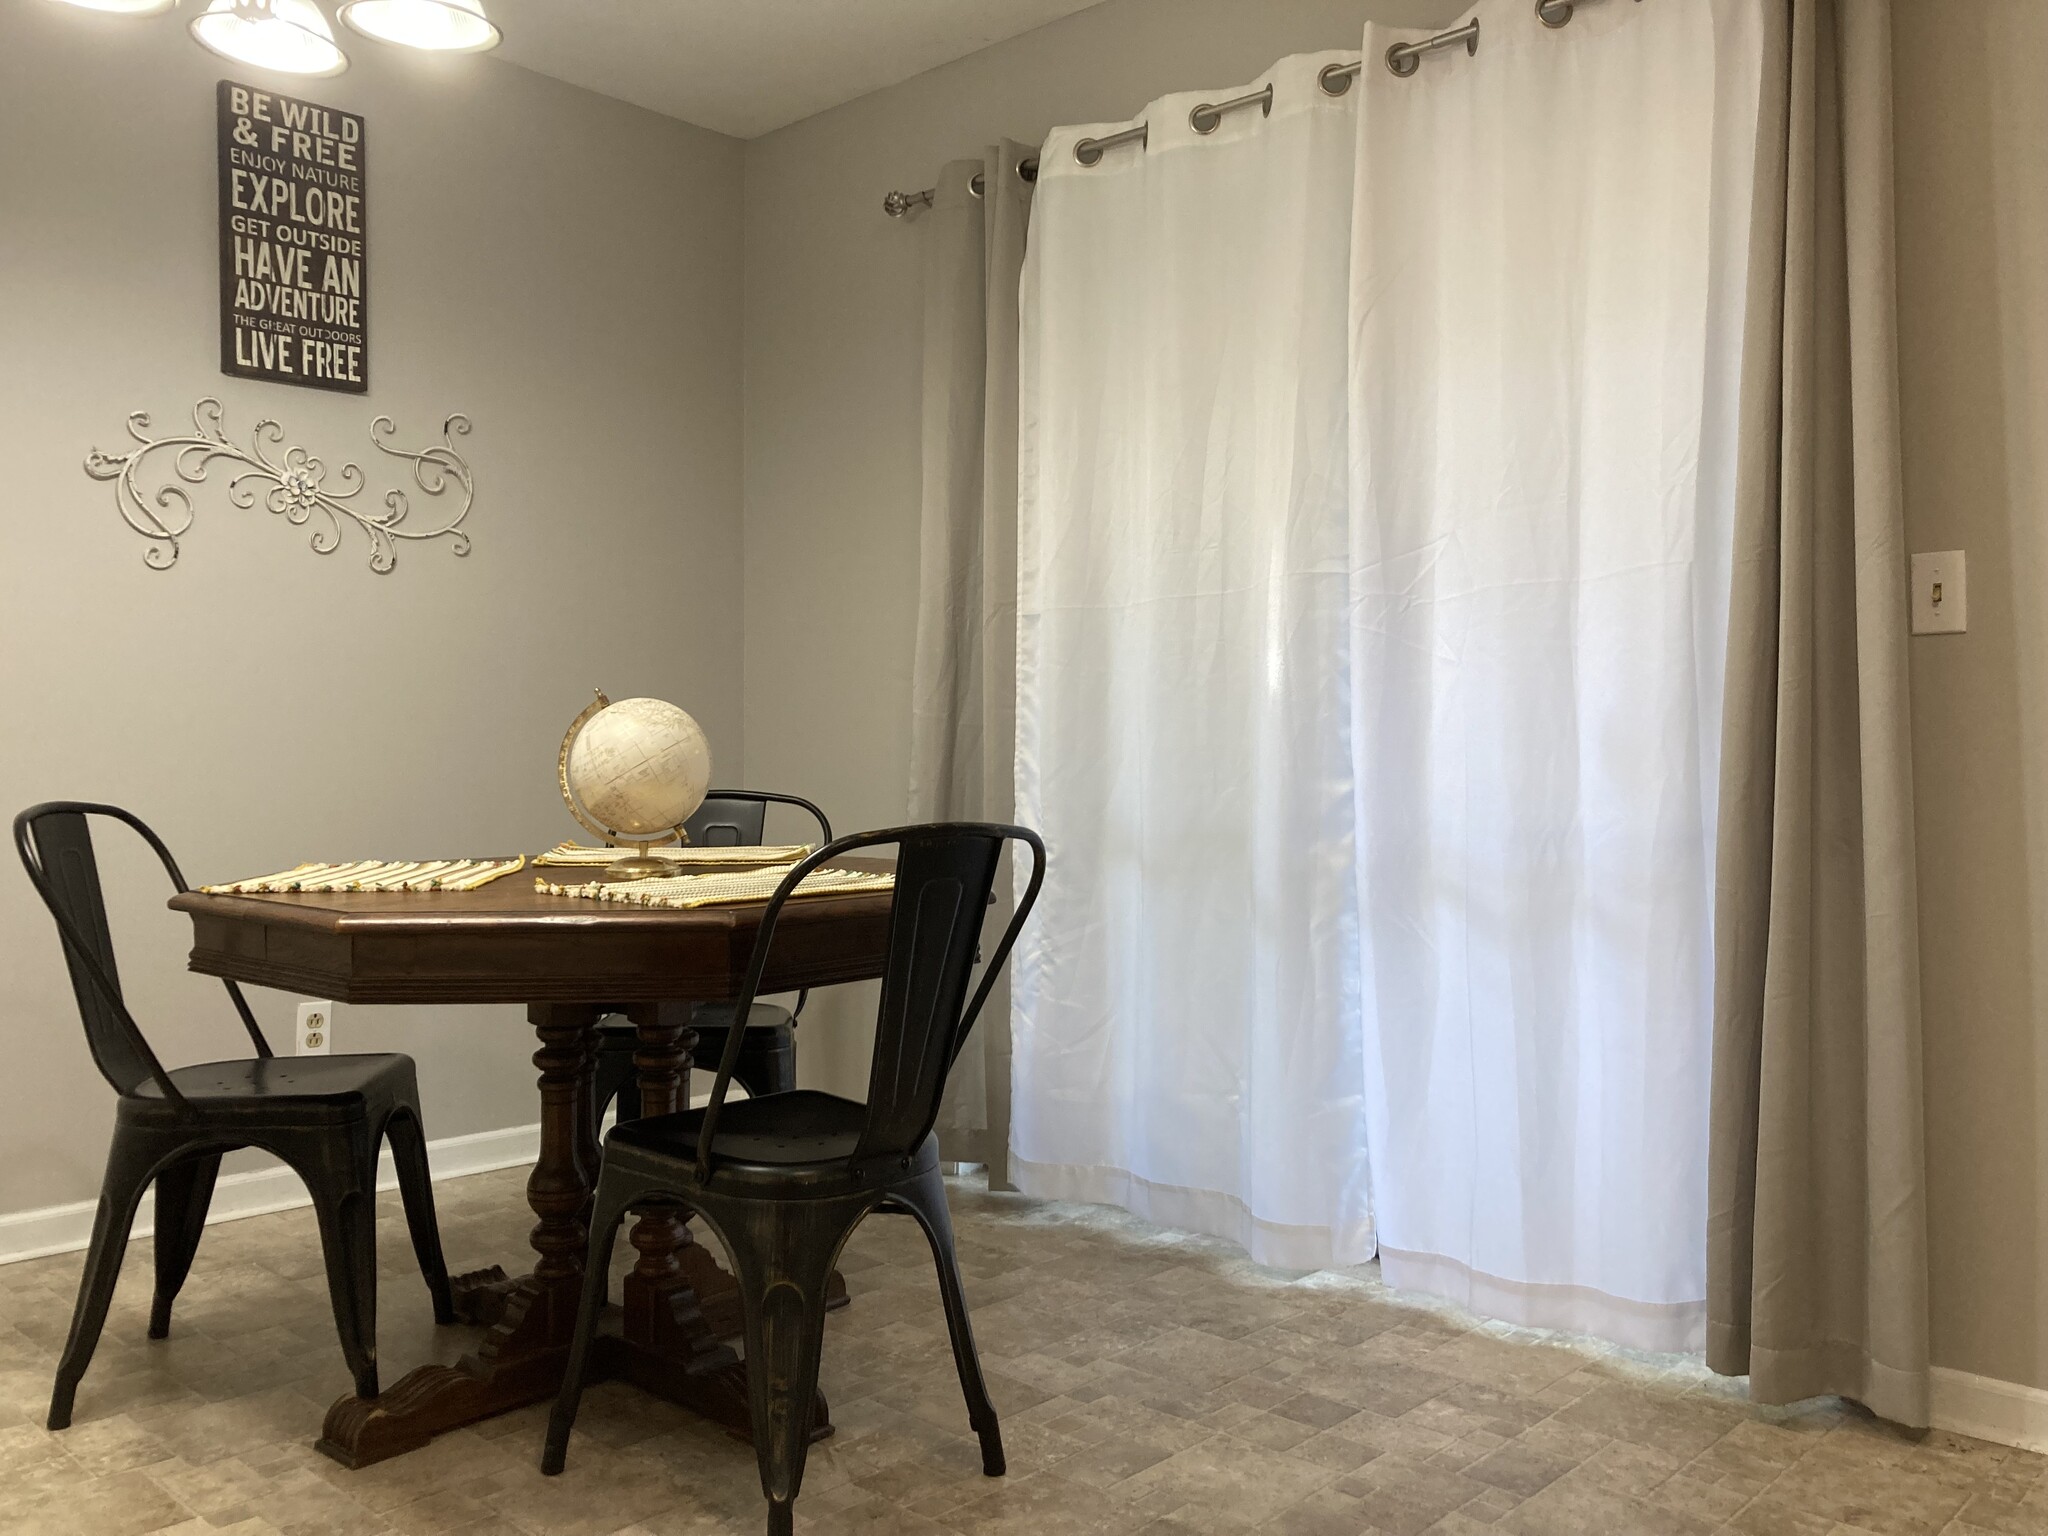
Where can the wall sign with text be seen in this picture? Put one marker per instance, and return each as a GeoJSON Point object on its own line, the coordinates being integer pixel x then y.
{"type": "Point", "coordinates": [294, 258]}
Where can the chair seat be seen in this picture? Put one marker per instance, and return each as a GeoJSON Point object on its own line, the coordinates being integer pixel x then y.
{"type": "Point", "coordinates": [337, 1086]}
{"type": "Point", "coordinates": [717, 1016]}
{"type": "Point", "coordinates": [782, 1146]}
{"type": "Point", "coordinates": [760, 1016]}
{"type": "Point", "coordinates": [780, 1130]}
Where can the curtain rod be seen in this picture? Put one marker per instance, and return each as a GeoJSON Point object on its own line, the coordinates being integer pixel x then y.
{"type": "Point", "coordinates": [897, 204]}
{"type": "Point", "coordinates": [1403, 59]}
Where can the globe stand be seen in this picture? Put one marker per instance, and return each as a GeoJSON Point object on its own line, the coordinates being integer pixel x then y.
{"type": "Point", "coordinates": [637, 866]}
{"type": "Point", "coordinates": [642, 864]}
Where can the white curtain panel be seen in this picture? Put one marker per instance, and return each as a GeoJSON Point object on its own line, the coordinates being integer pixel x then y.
{"type": "Point", "coordinates": [1185, 1021]}
{"type": "Point", "coordinates": [1546, 307]}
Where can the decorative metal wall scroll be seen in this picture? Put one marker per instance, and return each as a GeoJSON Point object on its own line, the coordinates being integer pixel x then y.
{"type": "Point", "coordinates": [293, 485]}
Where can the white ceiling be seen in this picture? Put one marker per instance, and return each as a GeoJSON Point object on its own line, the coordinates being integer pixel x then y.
{"type": "Point", "coordinates": [744, 67]}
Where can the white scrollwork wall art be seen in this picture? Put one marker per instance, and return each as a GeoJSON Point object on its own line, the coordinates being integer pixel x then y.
{"type": "Point", "coordinates": [292, 484]}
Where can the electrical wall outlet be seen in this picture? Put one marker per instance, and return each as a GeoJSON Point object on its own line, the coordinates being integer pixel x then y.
{"type": "Point", "coordinates": [1940, 598]}
{"type": "Point", "coordinates": [316, 1028]}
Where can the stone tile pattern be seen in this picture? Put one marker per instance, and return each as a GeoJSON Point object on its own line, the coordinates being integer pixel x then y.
{"type": "Point", "coordinates": [1149, 1383]}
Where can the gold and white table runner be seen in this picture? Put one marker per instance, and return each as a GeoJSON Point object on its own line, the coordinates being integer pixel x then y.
{"type": "Point", "coordinates": [722, 889]}
{"type": "Point", "coordinates": [375, 875]}
{"type": "Point", "coordinates": [720, 877]}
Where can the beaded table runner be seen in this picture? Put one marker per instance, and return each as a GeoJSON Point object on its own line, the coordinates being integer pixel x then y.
{"type": "Point", "coordinates": [724, 889]}
{"type": "Point", "coordinates": [376, 875]}
{"type": "Point", "coordinates": [724, 856]}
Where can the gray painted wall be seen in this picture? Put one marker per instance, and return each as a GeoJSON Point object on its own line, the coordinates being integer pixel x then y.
{"type": "Point", "coordinates": [563, 268]}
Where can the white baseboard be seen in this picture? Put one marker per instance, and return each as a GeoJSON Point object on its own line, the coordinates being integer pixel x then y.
{"type": "Point", "coordinates": [1990, 1409]}
{"type": "Point", "coordinates": [68, 1228]}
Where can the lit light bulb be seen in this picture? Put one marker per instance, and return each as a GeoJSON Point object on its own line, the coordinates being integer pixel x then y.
{"type": "Point", "coordinates": [123, 7]}
{"type": "Point", "coordinates": [439, 26]}
{"type": "Point", "coordinates": [289, 36]}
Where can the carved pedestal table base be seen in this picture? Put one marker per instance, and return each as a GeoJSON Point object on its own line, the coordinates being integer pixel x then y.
{"type": "Point", "coordinates": [679, 1305]}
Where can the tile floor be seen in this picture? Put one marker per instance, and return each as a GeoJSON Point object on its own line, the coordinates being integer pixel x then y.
{"type": "Point", "coordinates": [1150, 1383]}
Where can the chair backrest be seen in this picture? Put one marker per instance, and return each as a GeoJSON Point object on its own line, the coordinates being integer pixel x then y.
{"type": "Point", "coordinates": [738, 818]}
{"type": "Point", "coordinates": [945, 872]}
{"type": "Point", "coordinates": [56, 847]}
{"type": "Point", "coordinates": [735, 818]}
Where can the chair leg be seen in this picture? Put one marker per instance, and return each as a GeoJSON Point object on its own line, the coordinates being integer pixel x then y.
{"type": "Point", "coordinates": [608, 1211]}
{"type": "Point", "coordinates": [120, 1195]}
{"type": "Point", "coordinates": [416, 1185]}
{"type": "Point", "coordinates": [183, 1192]}
{"type": "Point", "coordinates": [925, 1199]}
{"type": "Point", "coordinates": [347, 1207]}
{"type": "Point", "coordinates": [782, 1258]}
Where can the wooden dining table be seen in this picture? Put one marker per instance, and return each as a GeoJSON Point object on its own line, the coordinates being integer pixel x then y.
{"type": "Point", "coordinates": [571, 962]}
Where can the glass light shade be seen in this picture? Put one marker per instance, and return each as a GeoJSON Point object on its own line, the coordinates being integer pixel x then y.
{"type": "Point", "coordinates": [439, 26]}
{"type": "Point", "coordinates": [123, 7]}
{"type": "Point", "coordinates": [289, 36]}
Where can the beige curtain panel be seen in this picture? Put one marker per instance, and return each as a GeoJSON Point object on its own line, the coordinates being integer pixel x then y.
{"type": "Point", "coordinates": [1817, 1235]}
{"type": "Point", "coordinates": [964, 676]}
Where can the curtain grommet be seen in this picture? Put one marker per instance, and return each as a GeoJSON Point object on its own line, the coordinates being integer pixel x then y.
{"type": "Point", "coordinates": [1089, 151]}
{"type": "Point", "coordinates": [1207, 116]}
{"type": "Point", "coordinates": [1403, 59]}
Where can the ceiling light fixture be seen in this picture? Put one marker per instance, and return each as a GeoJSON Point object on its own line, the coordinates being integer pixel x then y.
{"type": "Point", "coordinates": [438, 26]}
{"type": "Point", "coordinates": [289, 36]}
{"type": "Point", "coordinates": [123, 7]}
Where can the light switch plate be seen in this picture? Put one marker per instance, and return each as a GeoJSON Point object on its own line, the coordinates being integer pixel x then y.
{"type": "Point", "coordinates": [316, 1028]}
{"type": "Point", "coordinates": [1940, 595]}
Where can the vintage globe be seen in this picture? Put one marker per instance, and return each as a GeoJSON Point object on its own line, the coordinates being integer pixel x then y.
{"type": "Point", "coordinates": [637, 768]}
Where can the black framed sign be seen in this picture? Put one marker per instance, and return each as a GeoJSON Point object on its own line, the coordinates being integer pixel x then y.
{"type": "Point", "coordinates": [294, 253]}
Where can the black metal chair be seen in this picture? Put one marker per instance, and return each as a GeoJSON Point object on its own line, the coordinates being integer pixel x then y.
{"type": "Point", "coordinates": [783, 1180]}
{"type": "Point", "coordinates": [323, 1116]}
{"type": "Point", "coordinates": [728, 818]}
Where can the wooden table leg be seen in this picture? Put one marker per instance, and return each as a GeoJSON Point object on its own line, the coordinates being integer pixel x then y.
{"type": "Point", "coordinates": [520, 1360]}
